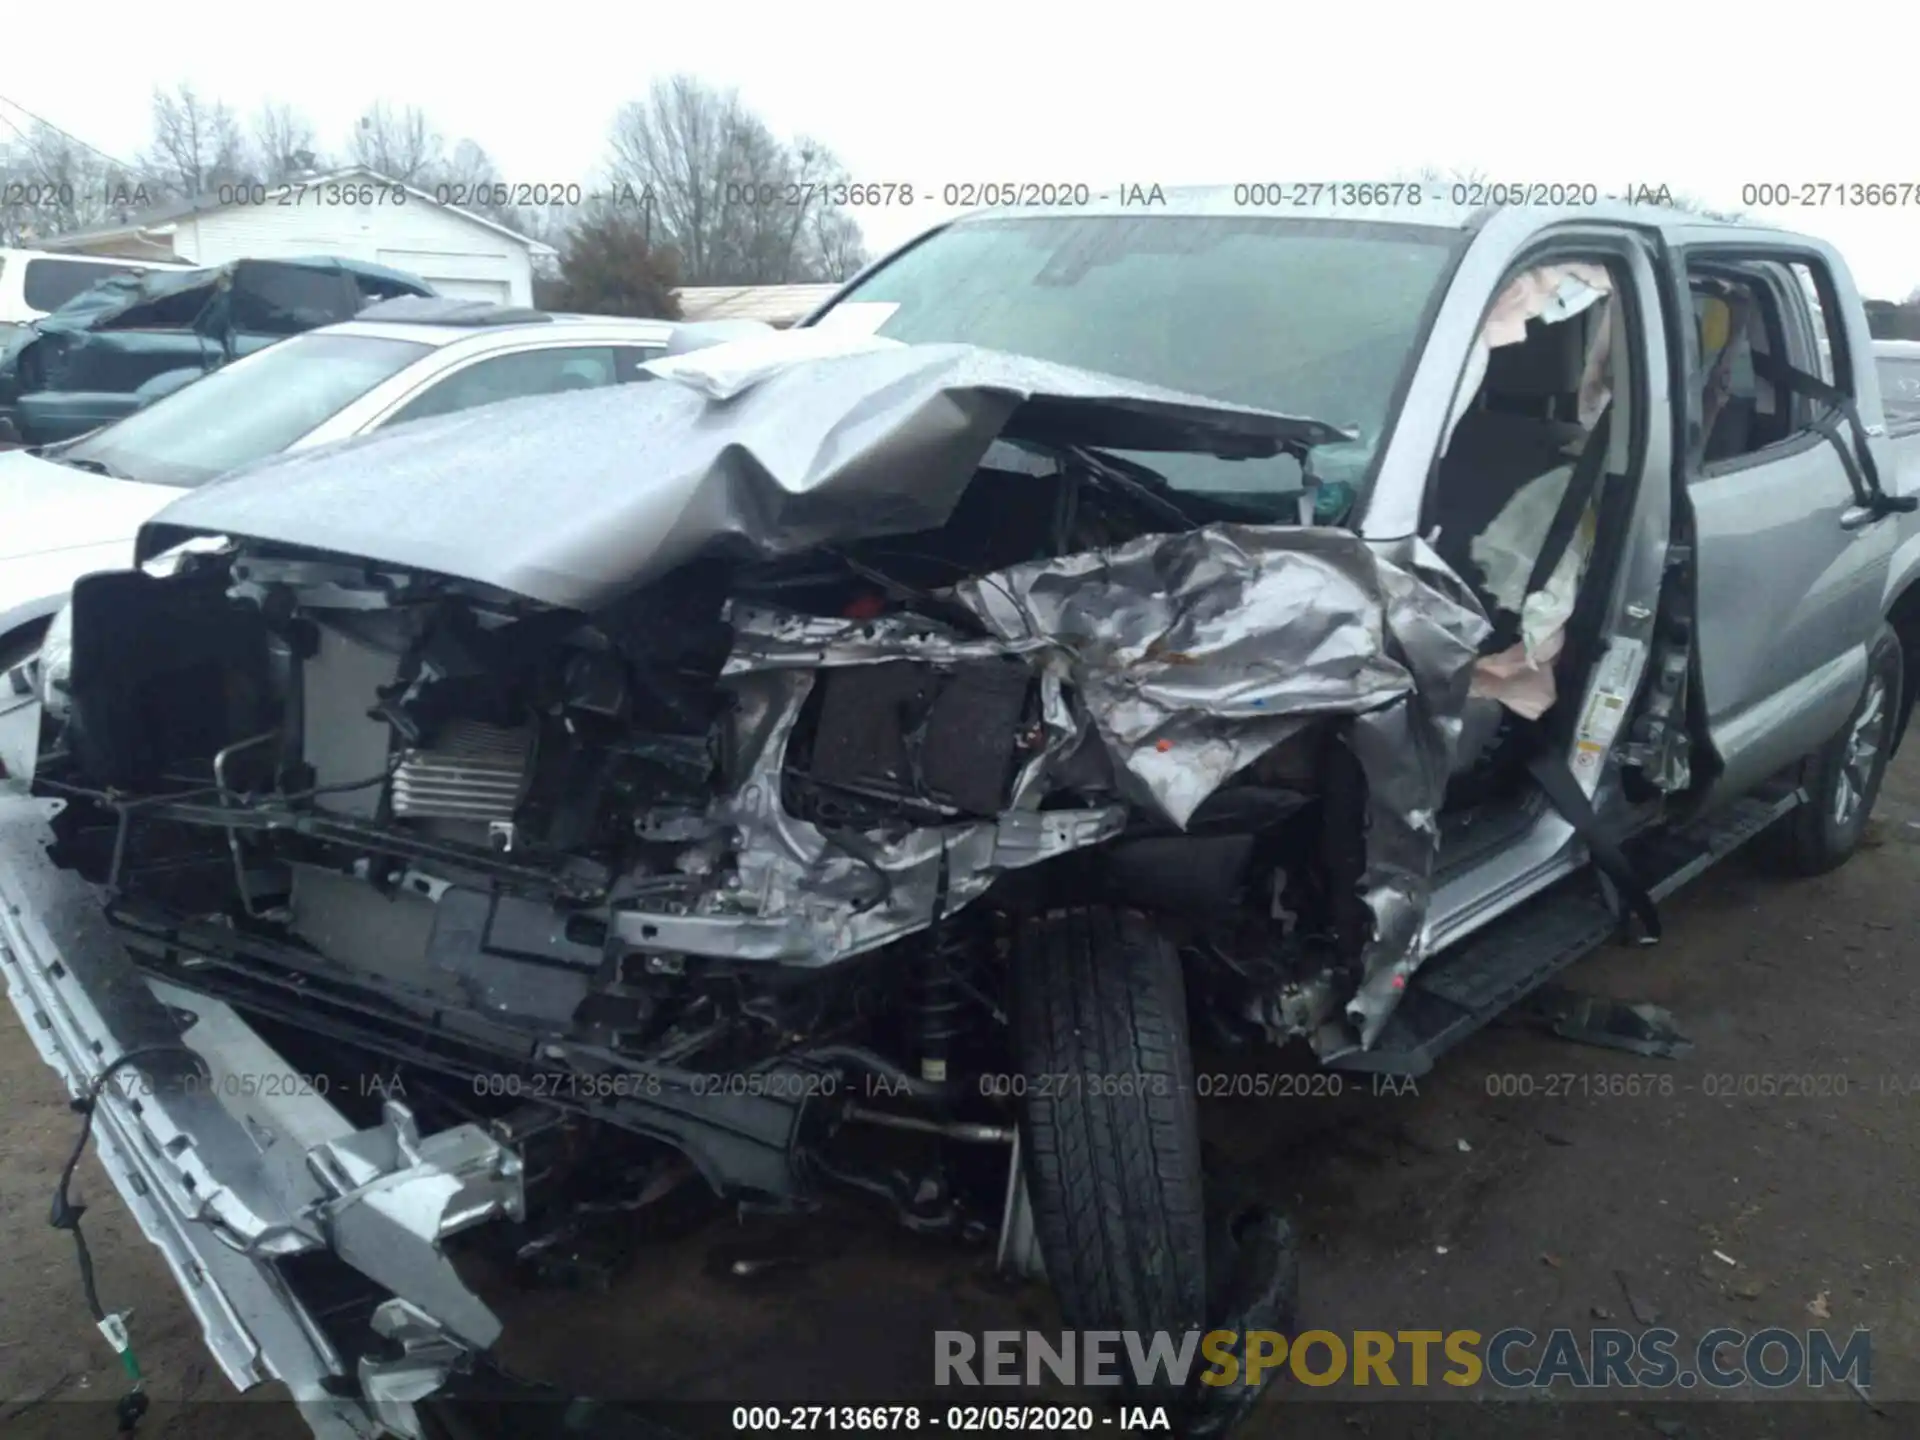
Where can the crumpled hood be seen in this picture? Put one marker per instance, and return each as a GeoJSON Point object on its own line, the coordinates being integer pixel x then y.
{"type": "Point", "coordinates": [159, 298]}
{"type": "Point", "coordinates": [45, 506]}
{"type": "Point", "coordinates": [574, 499]}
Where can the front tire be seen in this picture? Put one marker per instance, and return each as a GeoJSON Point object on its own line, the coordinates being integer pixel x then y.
{"type": "Point", "coordinates": [1109, 1125]}
{"type": "Point", "coordinates": [1842, 778]}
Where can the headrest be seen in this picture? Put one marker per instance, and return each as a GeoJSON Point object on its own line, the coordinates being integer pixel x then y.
{"type": "Point", "coordinates": [1548, 362]}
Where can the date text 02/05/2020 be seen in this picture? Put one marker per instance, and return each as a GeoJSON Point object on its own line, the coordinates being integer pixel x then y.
{"type": "Point", "coordinates": [956, 1419]}
{"type": "Point", "coordinates": [1471, 193]}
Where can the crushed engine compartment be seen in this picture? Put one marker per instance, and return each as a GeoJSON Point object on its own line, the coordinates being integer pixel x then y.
{"type": "Point", "coordinates": [714, 874]}
{"type": "Point", "coordinates": [677, 847]}
{"type": "Point", "coordinates": [742, 821]}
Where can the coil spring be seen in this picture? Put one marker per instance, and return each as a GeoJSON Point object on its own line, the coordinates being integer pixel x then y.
{"type": "Point", "coordinates": [939, 1004]}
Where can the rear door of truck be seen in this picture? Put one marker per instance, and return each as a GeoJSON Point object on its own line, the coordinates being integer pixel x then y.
{"type": "Point", "coordinates": [1790, 568]}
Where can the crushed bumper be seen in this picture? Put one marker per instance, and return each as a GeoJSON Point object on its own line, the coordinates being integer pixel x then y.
{"type": "Point", "coordinates": [230, 1164]}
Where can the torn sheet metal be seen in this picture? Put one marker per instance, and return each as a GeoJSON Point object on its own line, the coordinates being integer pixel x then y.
{"type": "Point", "coordinates": [1195, 654]}
{"type": "Point", "coordinates": [1179, 659]}
{"type": "Point", "coordinates": [576, 499]}
{"type": "Point", "coordinates": [1434, 627]}
{"type": "Point", "coordinates": [397, 1197]}
{"type": "Point", "coordinates": [807, 898]}
{"type": "Point", "coordinates": [1184, 658]}
{"type": "Point", "coordinates": [195, 319]}
{"type": "Point", "coordinates": [416, 1360]}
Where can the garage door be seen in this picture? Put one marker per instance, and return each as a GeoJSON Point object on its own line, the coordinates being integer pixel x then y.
{"type": "Point", "coordinates": [494, 290]}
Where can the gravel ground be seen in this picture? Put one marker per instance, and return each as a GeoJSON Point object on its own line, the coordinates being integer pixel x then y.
{"type": "Point", "coordinates": [1455, 1206]}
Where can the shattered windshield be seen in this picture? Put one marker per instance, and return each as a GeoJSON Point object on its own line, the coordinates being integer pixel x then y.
{"type": "Point", "coordinates": [244, 412]}
{"type": "Point", "coordinates": [1308, 317]}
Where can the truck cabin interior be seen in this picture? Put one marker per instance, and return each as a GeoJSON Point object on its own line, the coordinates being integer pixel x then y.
{"type": "Point", "coordinates": [1548, 371]}
{"type": "Point", "coordinates": [1734, 320]}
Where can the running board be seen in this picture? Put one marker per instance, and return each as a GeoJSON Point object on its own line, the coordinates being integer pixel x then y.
{"type": "Point", "coordinates": [1464, 987]}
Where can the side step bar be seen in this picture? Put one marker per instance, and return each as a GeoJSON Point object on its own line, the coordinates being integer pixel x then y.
{"type": "Point", "coordinates": [1460, 990]}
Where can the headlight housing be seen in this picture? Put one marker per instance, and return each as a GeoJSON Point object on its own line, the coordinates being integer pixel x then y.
{"type": "Point", "coordinates": [56, 661]}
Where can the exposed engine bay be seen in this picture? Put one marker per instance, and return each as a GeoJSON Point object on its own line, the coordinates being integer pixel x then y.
{"type": "Point", "coordinates": [717, 876]}
{"type": "Point", "coordinates": [709, 832]}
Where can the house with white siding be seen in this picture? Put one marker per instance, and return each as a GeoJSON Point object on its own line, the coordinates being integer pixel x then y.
{"type": "Point", "coordinates": [355, 213]}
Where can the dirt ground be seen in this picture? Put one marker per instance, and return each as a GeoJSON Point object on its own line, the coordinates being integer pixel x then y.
{"type": "Point", "coordinates": [1455, 1206]}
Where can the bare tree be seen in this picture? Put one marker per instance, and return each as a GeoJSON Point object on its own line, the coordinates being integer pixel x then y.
{"type": "Point", "coordinates": [196, 144]}
{"type": "Point", "coordinates": [398, 143]}
{"type": "Point", "coordinates": [51, 184]}
{"type": "Point", "coordinates": [676, 148]}
{"type": "Point", "coordinates": [283, 142]}
{"type": "Point", "coordinates": [473, 182]}
{"type": "Point", "coordinates": [825, 241]}
{"type": "Point", "coordinates": [469, 166]}
{"type": "Point", "coordinates": [838, 248]}
{"type": "Point", "coordinates": [738, 204]}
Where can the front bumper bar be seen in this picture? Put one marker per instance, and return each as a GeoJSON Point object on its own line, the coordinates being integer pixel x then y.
{"type": "Point", "coordinates": [233, 1161]}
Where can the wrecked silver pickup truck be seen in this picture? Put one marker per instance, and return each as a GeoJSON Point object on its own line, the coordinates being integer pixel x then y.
{"type": "Point", "coordinates": [904, 740]}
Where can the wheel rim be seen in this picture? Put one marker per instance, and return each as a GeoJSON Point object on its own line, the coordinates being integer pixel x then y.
{"type": "Point", "coordinates": [1864, 739]}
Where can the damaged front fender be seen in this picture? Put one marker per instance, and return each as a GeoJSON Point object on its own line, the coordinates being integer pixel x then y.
{"type": "Point", "coordinates": [1184, 658]}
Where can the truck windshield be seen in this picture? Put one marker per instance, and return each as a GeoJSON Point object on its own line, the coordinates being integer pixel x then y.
{"type": "Point", "coordinates": [244, 412]}
{"type": "Point", "coordinates": [1316, 318]}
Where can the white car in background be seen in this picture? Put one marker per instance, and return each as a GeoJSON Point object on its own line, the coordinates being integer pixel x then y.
{"type": "Point", "coordinates": [69, 509]}
{"type": "Point", "coordinates": [74, 507]}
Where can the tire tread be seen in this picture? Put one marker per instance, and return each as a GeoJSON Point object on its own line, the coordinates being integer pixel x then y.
{"type": "Point", "coordinates": [1115, 1179]}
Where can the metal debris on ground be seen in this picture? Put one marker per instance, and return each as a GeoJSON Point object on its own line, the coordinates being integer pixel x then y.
{"type": "Point", "coordinates": [1643, 1314]}
{"type": "Point", "coordinates": [1639, 1028]}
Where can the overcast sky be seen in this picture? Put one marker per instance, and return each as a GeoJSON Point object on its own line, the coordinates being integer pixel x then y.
{"type": "Point", "coordinates": [1191, 93]}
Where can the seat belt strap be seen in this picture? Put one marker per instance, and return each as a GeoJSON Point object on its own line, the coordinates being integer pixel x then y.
{"type": "Point", "coordinates": [1862, 473]}
{"type": "Point", "coordinates": [1563, 792]}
